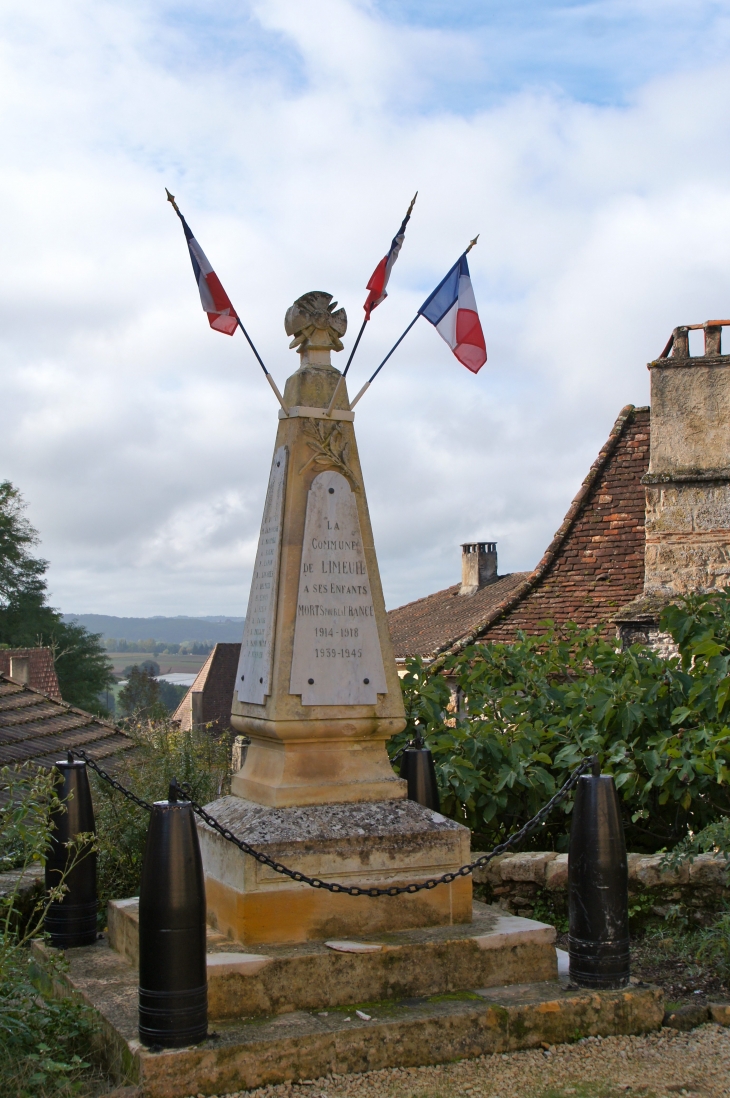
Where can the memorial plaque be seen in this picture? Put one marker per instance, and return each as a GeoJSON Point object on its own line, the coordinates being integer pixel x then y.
{"type": "Point", "coordinates": [337, 658]}
{"type": "Point", "coordinates": [257, 648]}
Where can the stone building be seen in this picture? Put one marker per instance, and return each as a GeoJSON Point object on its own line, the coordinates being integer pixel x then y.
{"type": "Point", "coordinates": [650, 521]}
{"type": "Point", "coordinates": [208, 701]}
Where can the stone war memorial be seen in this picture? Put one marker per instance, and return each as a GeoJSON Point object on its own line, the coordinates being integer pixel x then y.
{"type": "Point", "coordinates": [304, 978]}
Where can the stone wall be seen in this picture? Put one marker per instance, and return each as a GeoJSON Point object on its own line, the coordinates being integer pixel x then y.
{"type": "Point", "coordinates": [536, 884]}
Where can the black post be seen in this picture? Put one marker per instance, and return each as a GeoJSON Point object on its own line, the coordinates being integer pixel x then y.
{"type": "Point", "coordinates": [418, 770]}
{"type": "Point", "coordinates": [71, 921]}
{"type": "Point", "coordinates": [598, 886]}
{"type": "Point", "coordinates": [173, 988]}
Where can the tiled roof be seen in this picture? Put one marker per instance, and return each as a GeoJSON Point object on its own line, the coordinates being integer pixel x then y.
{"type": "Point", "coordinates": [422, 628]}
{"type": "Point", "coordinates": [37, 728]}
{"type": "Point", "coordinates": [593, 566]}
{"type": "Point", "coordinates": [215, 682]}
{"type": "Point", "coordinates": [41, 668]}
{"type": "Point", "coordinates": [595, 562]}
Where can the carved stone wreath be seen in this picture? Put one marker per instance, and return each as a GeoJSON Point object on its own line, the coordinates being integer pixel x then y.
{"type": "Point", "coordinates": [329, 448]}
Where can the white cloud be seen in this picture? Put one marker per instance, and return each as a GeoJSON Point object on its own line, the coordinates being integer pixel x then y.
{"type": "Point", "coordinates": [294, 135]}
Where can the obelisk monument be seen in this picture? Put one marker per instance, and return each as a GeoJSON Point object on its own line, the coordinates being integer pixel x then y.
{"type": "Point", "coordinates": [317, 692]}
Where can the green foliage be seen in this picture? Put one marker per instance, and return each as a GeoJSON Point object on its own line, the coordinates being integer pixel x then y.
{"type": "Point", "coordinates": [20, 573]}
{"type": "Point", "coordinates": [163, 752]}
{"type": "Point", "coordinates": [26, 621]}
{"type": "Point", "coordinates": [528, 712]}
{"type": "Point", "coordinates": [171, 694]}
{"type": "Point", "coordinates": [140, 698]}
{"type": "Point", "coordinates": [714, 946]}
{"type": "Point", "coordinates": [43, 1040]}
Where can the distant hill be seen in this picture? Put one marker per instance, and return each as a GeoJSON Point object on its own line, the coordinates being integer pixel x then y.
{"type": "Point", "coordinates": [170, 630]}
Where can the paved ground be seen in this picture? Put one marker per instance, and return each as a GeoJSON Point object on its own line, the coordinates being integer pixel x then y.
{"type": "Point", "coordinates": [661, 1065]}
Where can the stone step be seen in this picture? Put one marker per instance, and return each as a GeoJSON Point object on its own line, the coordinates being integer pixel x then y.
{"type": "Point", "coordinates": [493, 950]}
{"type": "Point", "coordinates": [359, 1036]}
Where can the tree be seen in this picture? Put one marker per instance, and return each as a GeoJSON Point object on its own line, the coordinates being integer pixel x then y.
{"type": "Point", "coordinates": [27, 621]}
{"type": "Point", "coordinates": [140, 698]}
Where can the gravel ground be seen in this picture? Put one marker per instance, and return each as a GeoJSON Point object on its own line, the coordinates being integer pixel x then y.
{"type": "Point", "coordinates": [659, 1065]}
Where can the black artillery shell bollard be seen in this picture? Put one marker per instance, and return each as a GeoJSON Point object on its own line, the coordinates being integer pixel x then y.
{"type": "Point", "coordinates": [173, 989]}
{"type": "Point", "coordinates": [598, 887]}
{"type": "Point", "coordinates": [71, 921]}
{"type": "Point", "coordinates": [418, 770]}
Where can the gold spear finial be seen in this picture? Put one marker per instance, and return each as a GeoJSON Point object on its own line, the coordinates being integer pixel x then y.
{"type": "Point", "coordinates": [413, 202]}
{"type": "Point", "coordinates": [171, 198]}
{"type": "Point", "coordinates": [472, 243]}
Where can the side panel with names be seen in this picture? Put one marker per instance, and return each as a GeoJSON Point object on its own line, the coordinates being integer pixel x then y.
{"type": "Point", "coordinates": [253, 677]}
{"type": "Point", "coordinates": [337, 658]}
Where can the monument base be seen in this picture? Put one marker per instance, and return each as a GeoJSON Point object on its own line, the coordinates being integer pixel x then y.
{"type": "Point", "coordinates": [378, 843]}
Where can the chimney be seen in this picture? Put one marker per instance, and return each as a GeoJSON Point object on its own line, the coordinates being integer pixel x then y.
{"type": "Point", "coordinates": [478, 566]}
{"type": "Point", "coordinates": [20, 669]}
{"type": "Point", "coordinates": [688, 482]}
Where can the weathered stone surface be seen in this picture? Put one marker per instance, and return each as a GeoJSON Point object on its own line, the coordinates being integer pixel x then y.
{"type": "Point", "coordinates": [253, 676]}
{"type": "Point", "coordinates": [720, 1013]}
{"type": "Point", "coordinates": [556, 873]}
{"type": "Point", "coordinates": [383, 843]}
{"type": "Point", "coordinates": [495, 949]}
{"type": "Point", "coordinates": [709, 870]}
{"type": "Point", "coordinates": [688, 482]}
{"type": "Point", "coordinates": [647, 871]}
{"type": "Point", "coordinates": [527, 867]}
{"type": "Point", "coordinates": [687, 1017]}
{"type": "Point", "coordinates": [698, 890]}
{"type": "Point", "coordinates": [690, 415]}
{"type": "Point", "coordinates": [304, 1045]}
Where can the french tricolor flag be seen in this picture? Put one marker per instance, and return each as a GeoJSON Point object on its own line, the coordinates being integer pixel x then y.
{"type": "Point", "coordinates": [452, 309]}
{"type": "Point", "coordinates": [214, 299]}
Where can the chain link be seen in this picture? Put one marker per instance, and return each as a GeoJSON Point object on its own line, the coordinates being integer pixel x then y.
{"type": "Point", "coordinates": [354, 890]}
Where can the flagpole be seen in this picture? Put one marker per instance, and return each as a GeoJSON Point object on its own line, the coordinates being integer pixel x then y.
{"type": "Point", "coordinates": [369, 382]}
{"type": "Point", "coordinates": [343, 375]}
{"type": "Point", "coordinates": [269, 378]}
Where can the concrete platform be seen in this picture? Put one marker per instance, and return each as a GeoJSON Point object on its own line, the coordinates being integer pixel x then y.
{"type": "Point", "coordinates": [494, 949]}
{"type": "Point", "coordinates": [303, 1044]}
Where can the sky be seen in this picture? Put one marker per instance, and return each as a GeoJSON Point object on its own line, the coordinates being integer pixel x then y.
{"type": "Point", "coordinates": [587, 144]}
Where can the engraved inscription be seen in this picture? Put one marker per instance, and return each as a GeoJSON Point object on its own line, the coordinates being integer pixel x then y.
{"type": "Point", "coordinates": [337, 658]}
{"type": "Point", "coordinates": [254, 666]}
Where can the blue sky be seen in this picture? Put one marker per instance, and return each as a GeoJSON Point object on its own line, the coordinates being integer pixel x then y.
{"type": "Point", "coordinates": [587, 143]}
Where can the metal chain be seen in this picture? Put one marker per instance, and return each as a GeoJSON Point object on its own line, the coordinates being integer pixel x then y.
{"type": "Point", "coordinates": [354, 890]}
{"type": "Point", "coordinates": [112, 781]}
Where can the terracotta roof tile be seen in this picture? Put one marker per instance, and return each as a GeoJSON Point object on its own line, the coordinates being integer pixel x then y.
{"type": "Point", "coordinates": [37, 728]}
{"type": "Point", "coordinates": [421, 628]}
{"type": "Point", "coordinates": [593, 565]}
{"type": "Point", "coordinates": [41, 668]}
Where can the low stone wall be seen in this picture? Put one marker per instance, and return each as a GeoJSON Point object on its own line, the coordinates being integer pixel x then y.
{"type": "Point", "coordinates": [535, 884]}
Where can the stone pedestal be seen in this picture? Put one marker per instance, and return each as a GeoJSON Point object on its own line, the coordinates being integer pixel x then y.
{"type": "Point", "coordinates": [379, 843]}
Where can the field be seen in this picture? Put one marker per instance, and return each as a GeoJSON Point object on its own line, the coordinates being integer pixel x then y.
{"type": "Point", "coordinates": [180, 664]}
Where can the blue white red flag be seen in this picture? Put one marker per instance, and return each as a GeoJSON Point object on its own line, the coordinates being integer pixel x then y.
{"type": "Point", "coordinates": [452, 309]}
{"type": "Point", "coordinates": [214, 299]}
{"type": "Point", "coordinates": [381, 274]}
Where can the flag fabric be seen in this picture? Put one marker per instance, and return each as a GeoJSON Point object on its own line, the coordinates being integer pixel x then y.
{"type": "Point", "coordinates": [214, 299]}
{"type": "Point", "coordinates": [452, 309]}
{"type": "Point", "coordinates": [381, 274]}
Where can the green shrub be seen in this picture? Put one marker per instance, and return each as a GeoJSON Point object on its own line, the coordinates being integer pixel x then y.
{"type": "Point", "coordinates": [526, 713]}
{"type": "Point", "coordinates": [162, 752]}
{"type": "Point", "coordinates": [43, 1041]}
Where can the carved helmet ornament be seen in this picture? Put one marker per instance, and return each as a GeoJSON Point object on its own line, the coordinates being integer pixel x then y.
{"type": "Point", "coordinates": [313, 322]}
